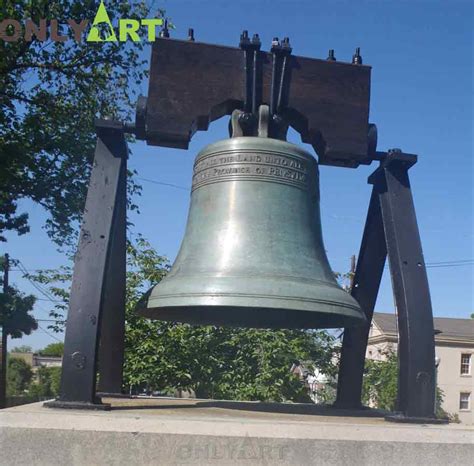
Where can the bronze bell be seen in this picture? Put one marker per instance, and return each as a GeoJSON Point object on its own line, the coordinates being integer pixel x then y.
{"type": "Point", "coordinates": [253, 254]}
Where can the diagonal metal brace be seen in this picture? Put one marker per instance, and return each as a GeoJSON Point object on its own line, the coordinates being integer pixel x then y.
{"type": "Point", "coordinates": [391, 229]}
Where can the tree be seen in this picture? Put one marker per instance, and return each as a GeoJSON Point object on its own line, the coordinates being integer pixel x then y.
{"type": "Point", "coordinates": [53, 349]}
{"type": "Point", "coordinates": [22, 349]}
{"type": "Point", "coordinates": [381, 381]}
{"type": "Point", "coordinates": [19, 375]}
{"type": "Point", "coordinates": [50, 94]}
{"type": "Point", "coordinates": [15, 317]}
{"type": "Point", "coordinates": [222, 362]}
{"type": "Point", "coordinates": [47, 385]}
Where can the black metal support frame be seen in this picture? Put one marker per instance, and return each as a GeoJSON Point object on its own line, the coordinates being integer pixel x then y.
{"type": "Point", "coordinates": [97, 303]}
{"type": "Point", "coordinates": [391, 230]}
{"type": "Point", "coordinates": [95, 330]}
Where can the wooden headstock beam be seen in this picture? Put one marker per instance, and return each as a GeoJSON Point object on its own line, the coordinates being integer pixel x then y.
{"type": "Point", "coordinates": [193, 84]}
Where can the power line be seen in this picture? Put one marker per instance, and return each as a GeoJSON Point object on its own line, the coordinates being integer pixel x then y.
{"type": "Point", "coordinates": [44, 292]}
{"type": "Point", "coordinates": [49, 334]}
{"type": "Point", "coordinates": [450, 261]}
{"type": "Point", "coordinates": [162, 183]}
{"type": "Point", "coordinates": [28, 270]}
{"type": "Point", "coordinates": [455, 263]}
{"type": "Point", "coordinates": [50, 320]}
{"type": "Point", "coordinates": [449, 265]}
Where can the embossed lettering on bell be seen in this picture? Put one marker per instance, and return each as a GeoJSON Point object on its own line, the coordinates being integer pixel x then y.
{"type": "Point", "coordinates": [253, 254]}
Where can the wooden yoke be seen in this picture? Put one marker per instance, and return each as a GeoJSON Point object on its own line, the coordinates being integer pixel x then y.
{"type": "Point", "coordinates": [193, 84]}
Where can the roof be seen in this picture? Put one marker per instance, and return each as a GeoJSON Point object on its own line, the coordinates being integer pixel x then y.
{"type": "Point", "coordinates": [458, 329]}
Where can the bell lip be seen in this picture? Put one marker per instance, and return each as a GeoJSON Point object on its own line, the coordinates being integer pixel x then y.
{"type": "Point", "coordinates": [317, 304]}
{"type": "Point", "coordinates": [253, 311]}
{"type": "Point", "coordinates": [253, 317]}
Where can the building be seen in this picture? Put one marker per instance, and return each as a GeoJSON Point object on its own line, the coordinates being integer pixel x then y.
{"type": "Point", "coordinates": [454, 343]}
{"type": "Point", "coordinates": [313, 379]}
{"type": "Point", "coordinates": [36, 360]}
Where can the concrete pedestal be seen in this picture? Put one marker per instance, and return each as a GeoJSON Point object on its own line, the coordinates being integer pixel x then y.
{"type": "Point", "coordinates": [182, 432]}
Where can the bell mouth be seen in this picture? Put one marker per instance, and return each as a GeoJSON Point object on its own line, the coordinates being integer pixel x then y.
{"type": "Point", "coordinates": [235, 316]}
{"type": "Point", "coordinates": [266, 303]}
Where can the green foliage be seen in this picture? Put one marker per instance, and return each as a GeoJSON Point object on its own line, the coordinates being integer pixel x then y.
{"type": "Point", "coordinates": [15, 308]}
{"type": "Point", "coordinates": [19, 375]}
{"type": "Point", "coordinates": [57, 281]}
{"type": "Point", "coordinates": [22, 349]}
{"type": "Point", "coordinates": [53, 349]}
{"type": "Point", "coordinates": [48, 383]}
{"type": "Point", "coordinates": [50, 94]}
{"type": "Point", "coordinates": [220, 362]}
{"type": "Point", "coordinates": [380, 382]}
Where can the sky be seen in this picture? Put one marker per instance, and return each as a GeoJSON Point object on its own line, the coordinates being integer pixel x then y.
{"type": "Point", "coordinates": [421, 100]}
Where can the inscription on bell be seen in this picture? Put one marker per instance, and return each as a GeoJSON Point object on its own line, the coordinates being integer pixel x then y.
{"type": "Point", "coordinates": [250, 166]}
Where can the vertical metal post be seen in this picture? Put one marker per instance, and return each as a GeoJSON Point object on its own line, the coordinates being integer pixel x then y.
{"type": "Point", "coordinates": [78, 377]}
{"type": "Point", "coordinates": [391, 228]}
{"type": "Point", "coordinates": [416, 349]}
{"type": "Point", "coordinates": [3, 369]}
{"type": "Point", "coordinates": [112, 334]}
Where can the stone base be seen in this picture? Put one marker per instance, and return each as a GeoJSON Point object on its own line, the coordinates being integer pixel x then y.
{"type": "Point", "coordinates": [144, 431]}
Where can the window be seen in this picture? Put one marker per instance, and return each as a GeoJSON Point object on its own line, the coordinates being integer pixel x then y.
{"type": "Point", "coordinates": [465, 364]}
{"type": "Point", "coordinates": [464, 401]}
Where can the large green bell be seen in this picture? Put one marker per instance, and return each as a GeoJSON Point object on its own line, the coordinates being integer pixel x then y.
{"type": "Point", "coordinates": [253, 253]}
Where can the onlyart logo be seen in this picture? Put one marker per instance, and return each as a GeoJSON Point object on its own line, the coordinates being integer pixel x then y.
{"type": "Point", "coordinates": [102, 30]}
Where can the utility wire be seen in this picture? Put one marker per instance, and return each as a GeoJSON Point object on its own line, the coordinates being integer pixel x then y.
{"type": "Point", "coordinates": [162, 183]}
{"type": "Point", "coordinates": [50, 320]}
{"type": "Point", "coordinates": [48, 299]}
{"type": "Point", "coordinates": [44, 292]}
{"type": "Point", "coordinates": [438, 266]}
{"type": "Point", "coordinates": [453, 263]}
{"type": "Point", "coordinates": [450, 262]}
{"type": "Point", "coordinates": [49, 334]}
{"type": "Point", "coordinates": [28, 270]}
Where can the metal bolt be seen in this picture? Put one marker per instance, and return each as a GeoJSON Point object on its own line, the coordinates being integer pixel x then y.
{"type": "Point", "coordinates": [277, 119]}
{"type": "Point", "coordinates": [285, 43]}
{"type": "Point", "coordinates": [256, 39]}
{"type": "Point", "coordinates": [165, 31]}
{"type": "Point", "coordinates": [245, 118]}
{"type": "Point", "coordinates": [191, 34]}
{"type": "Point", "coordinates": [275, 42]}
{"type": "Point", "coordinates": [331, 56]}
{"type": "Point", "coordinates": [356, 58]}
{"type": "Point", "coordinates": [129, 127]}
{"type": "Point", "coordinates": [244, 38]}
